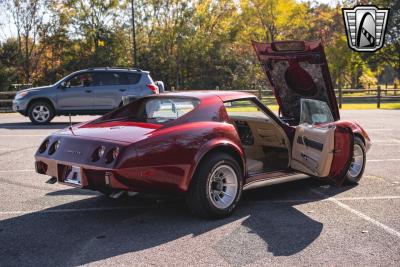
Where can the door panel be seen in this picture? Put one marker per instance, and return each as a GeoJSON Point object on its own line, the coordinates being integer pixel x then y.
{"type": "Point", "coordinates": [344, 142]}
{"type": "Point", "coordinates": [109, 97]}
{"type": "Point", "coordinates": [78, 94]}
{"type": "Point", "coordinates": [313, 149]}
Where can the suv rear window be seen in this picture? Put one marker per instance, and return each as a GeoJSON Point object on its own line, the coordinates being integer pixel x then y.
{"type": "Point", "coordinates": [116, 78]}
{"type": "Point", "coordinates": [129, 78]}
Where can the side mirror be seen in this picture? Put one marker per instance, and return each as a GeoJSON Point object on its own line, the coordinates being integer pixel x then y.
{"type": "Point", "coordinates": [63, 85]}
{"type": "Point", "coordinates": [160, 85]}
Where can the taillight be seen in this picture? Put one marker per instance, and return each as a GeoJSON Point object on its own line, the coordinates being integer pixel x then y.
{"type": "Point", "coordinates": [112, 155]}
{"type": "Point", "coordinates": [98, 153]}
{"type": "Point", "coordinates": [153, 88]}
{"type": "Point", "coordinates": [43, 146]}
{"type": "Point", "coordinates": [54, 147]}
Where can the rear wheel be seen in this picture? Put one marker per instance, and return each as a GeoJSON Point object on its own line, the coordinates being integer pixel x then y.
{"type": "Point", "coordinates": [41, 112]}
{"type": "Point", "coordinates": [357, 166]}
{"type": "Point", "coordinates": [216, 187]}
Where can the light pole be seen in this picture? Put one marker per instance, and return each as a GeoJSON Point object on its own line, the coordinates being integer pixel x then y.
{"type": "Point", "coordinates": [134, 57]}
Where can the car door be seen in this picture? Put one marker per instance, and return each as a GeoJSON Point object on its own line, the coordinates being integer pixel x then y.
{"type": "Point", "coordinates": [77, 94]}
{"type": "Point", "coordinates": [109, 92]}
{"type": "Point", "coordinates": [296, 70]}
{"type": "Point", "coordinates": [321, 148]}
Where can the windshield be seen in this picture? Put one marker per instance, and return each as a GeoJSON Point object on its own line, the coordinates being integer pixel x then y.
{"type": "Point", "coordinates": [158, 110]}
{"type": "Point", "coordinates": [314, 112]}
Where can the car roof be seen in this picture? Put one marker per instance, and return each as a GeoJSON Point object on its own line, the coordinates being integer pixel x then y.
{"type": "Point", "coordinates": [119, 69]}
{"type": "Point", "coordinates": [203, 94]}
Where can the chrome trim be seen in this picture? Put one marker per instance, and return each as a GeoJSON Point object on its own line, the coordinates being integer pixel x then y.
{"type": "Point", "coordinates": [272, 181]}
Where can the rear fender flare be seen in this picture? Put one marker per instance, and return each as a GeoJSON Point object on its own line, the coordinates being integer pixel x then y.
{"type": "Point", "coordinates": [213, 146]}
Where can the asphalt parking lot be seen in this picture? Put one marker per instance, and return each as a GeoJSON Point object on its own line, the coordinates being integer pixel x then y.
{"type": "Point", "coordinates": [295, 224]}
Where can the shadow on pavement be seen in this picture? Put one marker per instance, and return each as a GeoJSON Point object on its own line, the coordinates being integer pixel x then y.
{"type": "Point", "coordinates": [30, 126]}
{"type": "Point", "coordinates": [81, 237]}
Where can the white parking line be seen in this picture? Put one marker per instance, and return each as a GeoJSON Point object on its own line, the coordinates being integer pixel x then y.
{"type": "Point", "coordinates": [71, 210]}
{"type": "Point", "coordinates": [382, 160]}
{"type": "Point", "coordinates": [358, 213]}
{"type": "Point", "coordinates": [8, 171]}
{"type": "Point", "coordinates": [318, 199]}
{"type": "Point", "coordinates": [23, 135]}
{"type": "Point", "coordinates": [379, 129]}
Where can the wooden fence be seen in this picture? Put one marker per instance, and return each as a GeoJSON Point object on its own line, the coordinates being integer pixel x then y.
{"type": "Point", "coordinates": [344, 96]}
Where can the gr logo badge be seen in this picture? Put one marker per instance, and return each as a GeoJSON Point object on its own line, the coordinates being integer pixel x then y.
{"type": "Point", "coordinates": [365, 27]}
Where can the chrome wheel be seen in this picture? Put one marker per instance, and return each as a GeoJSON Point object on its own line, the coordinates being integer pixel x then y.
{"type": "Point", "coordinates": [40, 113]}
{"type": "Point", "coordinates": [223, 186]}
{"type": "Point", "coordinates": [357, 163]}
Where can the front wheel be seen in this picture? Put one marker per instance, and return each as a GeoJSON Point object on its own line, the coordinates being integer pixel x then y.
{"type": "Point", "coordinates": [41, 113]}
{"type": "Point", "coordinates": [216, 187]}
{"type": "Point", "coordinates": [357, 166]}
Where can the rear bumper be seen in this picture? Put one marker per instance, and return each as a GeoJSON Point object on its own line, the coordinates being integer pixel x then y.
{"type": "Point", "coordinates": [94, 178]}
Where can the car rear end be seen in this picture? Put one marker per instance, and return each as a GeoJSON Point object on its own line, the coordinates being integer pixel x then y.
{"type": "Point", "coordinates": [144, 86]}
{"type": "Point", "coordinates": [79, 161]}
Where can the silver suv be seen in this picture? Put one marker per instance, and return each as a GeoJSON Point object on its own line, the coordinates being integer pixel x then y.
{"type": "Point", "coordinates": [85, 92]}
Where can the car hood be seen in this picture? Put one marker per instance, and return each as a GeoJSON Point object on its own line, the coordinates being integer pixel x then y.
{"type": "Point", "coordinates": [119, 131]}
{"type": "Point", "coordinates": [295, 70]}
{"type": "Point", "coordinates": [34, 89]}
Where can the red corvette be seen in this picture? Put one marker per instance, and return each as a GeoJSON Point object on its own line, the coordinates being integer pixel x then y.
{"type": "Point", "coordinates": [211, 145]}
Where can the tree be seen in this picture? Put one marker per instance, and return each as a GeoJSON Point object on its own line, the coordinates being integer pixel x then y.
{"type": "Point", "coordinates": [28, 18]}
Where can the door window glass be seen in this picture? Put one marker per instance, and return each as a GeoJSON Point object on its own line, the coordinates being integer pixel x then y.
{"type": "Point", "coordinates": [81, 80]}
{"type": "Point", "coordinates": [314, 112]}
{"type": "Point", "coordinates": [245, 108]}
{"type": "Point", "coordinates": [109, 78]}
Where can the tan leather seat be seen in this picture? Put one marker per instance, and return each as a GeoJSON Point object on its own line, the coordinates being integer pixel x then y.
{"type": "Point", "coordinates": [254, 166]}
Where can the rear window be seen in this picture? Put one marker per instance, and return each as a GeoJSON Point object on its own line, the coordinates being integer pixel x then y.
{"type": "Point", "coordinates": [157, 110]}
{"type": "Point", "coordinates": [129, 78]}
{"type": "Point", "coordinates": [116, 78]}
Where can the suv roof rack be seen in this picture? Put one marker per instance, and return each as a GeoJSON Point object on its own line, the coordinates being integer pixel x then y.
{"type": "Point", "coordinates": [112, 67]}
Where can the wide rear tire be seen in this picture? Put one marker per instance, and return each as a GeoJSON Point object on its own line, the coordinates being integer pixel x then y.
{"type": "Point", "coordinates": [216, 187]}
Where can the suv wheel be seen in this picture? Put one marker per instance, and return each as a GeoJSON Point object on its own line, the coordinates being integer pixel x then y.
{"type": "Point", "coordinates": [41, 112]}
{"type": "Point", "coordinates": [216, 187]}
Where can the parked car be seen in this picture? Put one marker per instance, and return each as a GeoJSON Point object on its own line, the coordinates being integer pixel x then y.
{"type": "Point", "coordinates": [85, 92]}
{"type": "Point", "coordinates": [212, 145]}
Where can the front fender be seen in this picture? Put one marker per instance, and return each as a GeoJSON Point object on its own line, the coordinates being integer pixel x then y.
{"type": "Point", "coordinates": [357, 130]}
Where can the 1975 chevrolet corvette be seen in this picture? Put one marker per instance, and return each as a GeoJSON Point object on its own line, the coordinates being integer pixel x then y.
{"type": "Point", "coordinates": [211, 145]}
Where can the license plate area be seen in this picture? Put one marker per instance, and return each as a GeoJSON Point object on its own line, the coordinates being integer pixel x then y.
{"type": "Point", "coordinates": [71, 175]}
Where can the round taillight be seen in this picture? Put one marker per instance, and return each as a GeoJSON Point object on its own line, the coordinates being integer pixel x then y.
{"type": "Point", "coordinates": [112, 155]}
{"type": "Point", "coordinates": [43, 147]}
{"type": "Point", "coordinates": [98, 153]}
{"type": "Point", "coordinates": [54, 147]}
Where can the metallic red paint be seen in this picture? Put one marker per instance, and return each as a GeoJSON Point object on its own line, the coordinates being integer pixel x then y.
{"type": "Point", "coordinates": [155, 158]}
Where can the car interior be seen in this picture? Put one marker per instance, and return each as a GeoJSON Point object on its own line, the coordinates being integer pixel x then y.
{"type": "Point", "coordinates": [267, 147]}
{"type": "Point", "coordinates": [265, 143]}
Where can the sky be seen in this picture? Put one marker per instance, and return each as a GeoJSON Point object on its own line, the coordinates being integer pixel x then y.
{"type": "Point", "coordinates": [8, 30]}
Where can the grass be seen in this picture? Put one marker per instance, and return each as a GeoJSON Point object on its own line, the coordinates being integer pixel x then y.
{"type": "Point", "coordinates": [371, 106]}
{"type": "Point", "coordinates": [357, 106]}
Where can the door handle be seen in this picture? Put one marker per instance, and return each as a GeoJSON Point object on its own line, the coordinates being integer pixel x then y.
{"type": "Point", "coordinates": [122, 90]}
{"type": "Point", "coordinates": [88, 91]}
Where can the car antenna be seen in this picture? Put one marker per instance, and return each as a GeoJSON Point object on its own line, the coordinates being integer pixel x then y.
{"type": "Point", "coordinates": [70, 124]}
